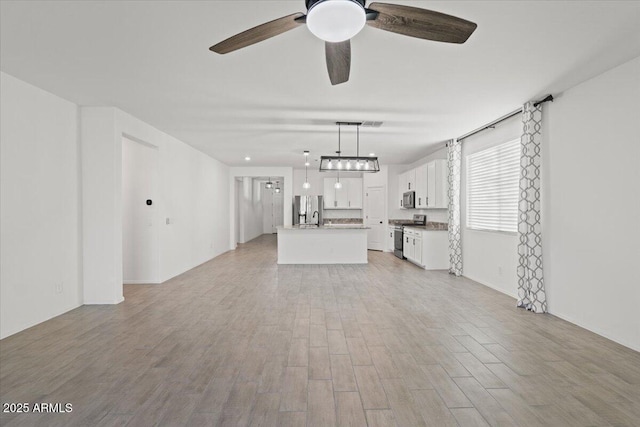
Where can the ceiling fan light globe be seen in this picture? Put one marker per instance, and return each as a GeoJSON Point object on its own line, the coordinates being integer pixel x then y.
{"type": "Point", "coordinates": [336, 20]}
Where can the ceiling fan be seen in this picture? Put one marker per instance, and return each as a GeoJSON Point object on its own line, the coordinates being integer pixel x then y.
{"type": "Point", "coordinates": [337, 21]}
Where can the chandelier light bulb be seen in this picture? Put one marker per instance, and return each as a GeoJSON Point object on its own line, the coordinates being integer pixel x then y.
{"type": "Point", "coordinates": [339, 164]}
{"type": "Point", "coordinates": [348, 164]}
{"type": "Point", "coordinates": [329, 165]}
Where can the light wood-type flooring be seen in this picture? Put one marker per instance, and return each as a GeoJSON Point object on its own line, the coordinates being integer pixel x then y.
{"type": "Point", "coordinates": [242, 341]}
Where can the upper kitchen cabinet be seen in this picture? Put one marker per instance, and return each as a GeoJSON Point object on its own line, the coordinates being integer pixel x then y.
{"type": "Point", "coordinates": [407, 181]}
{"type": "Point", "coordinates": [422, 193]}
{"type": "Point", "coordinates": [347, 197]}
{"type": "Point", "coordinates": [437, 184]}
{"type": "Point", "coordinates": [431, 184]}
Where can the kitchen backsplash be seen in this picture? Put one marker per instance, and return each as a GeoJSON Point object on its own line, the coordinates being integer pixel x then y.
{"type": "Point", "coordinates": [342, 220]}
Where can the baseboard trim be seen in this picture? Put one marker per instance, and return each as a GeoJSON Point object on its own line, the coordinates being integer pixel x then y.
{"type": "Point", "coordinates": [566, 318]}
{"type": "Point", "coordinates": [140, 282]}
{"type": "Point", "coordinates": [502, 291]}
{"type": "Point", "coordinates": [112, 302]}
{"type": "Point", "coordinates": [596, 331]}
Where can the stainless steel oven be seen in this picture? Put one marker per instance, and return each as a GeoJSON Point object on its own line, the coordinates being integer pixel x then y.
{"type": "Point", "coordinates": [397, 241]}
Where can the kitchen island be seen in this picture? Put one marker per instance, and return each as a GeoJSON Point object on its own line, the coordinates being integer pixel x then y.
{"type": "Point", "coordinates": [326, 244]}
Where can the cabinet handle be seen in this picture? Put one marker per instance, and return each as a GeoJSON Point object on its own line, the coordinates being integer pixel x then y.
{"type": "Point", "coordinates": [400, 202]}
{"type": "Point", "coordinates": [409, 186]}
{"type": "Point", "coordinates": [414, 242]}
{"type": "Point", "coordinates": [349, 203]}
{"type": "Point", "coordinates": [427, 201]}
{"type": "Point", "coordinates": [419, 201]}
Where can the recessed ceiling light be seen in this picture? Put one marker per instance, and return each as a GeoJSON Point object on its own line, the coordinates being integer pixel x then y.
{"type": "Point", "coordinates": [372, 154]}
{"type": "Point", "coordinates": [247, 158]}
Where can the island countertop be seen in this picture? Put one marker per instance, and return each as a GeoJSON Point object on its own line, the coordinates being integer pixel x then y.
{"type": "Point", "coordinates": [325, 227]}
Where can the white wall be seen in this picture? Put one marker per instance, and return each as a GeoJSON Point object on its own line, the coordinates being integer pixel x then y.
{"type": "Point", "coordinates": [591, 202]}
{"type": "Point", "coordinates": [489, 257]}
{"type": "Point", "coordinates": [140, 222]}
{"type": "Point", "coordinates": [250, 205]}
{"type": "Point", "coordinates": [394, 196]}
{"type": "Point", "coordinates": [40, 244]}
{"type": "Point", "coordinates": [286, 173]}
{"type": "Point", "coordinates": [193, 187]}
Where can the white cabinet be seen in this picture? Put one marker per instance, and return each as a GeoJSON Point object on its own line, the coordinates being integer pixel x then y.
{"type": "Point", "coordinates": [427, 248]}
{"type": "Point", "coordinates": [437, 184]}
{"type": "Point", "coordinates": [347, 197]}
{"type": "Point", "coordinates": [329, 194]}
{"type": "Point", "coordinates": [430, 182]}
{"type": "Point", "coordinates": [421, 187]}
{"type": "Point", "coordinates": [354, 193]}
{"type": "Point", "coordinates": [407, 181]}
{"type": "Point", "coordinates": [412, 246]}
{"type": "Point", "coordinates": [408, 249]}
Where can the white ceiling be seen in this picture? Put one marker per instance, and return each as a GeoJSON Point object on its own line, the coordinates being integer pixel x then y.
{"type": "Point", "coordinates": [273, 100]}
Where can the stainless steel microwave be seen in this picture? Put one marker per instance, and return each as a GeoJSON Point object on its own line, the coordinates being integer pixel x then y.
{"type": "Point", "coordinates": [409, 199]}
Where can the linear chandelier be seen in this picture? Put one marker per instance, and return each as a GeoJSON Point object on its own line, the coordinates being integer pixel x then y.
{"type": "Point", "coordinates": [355, 163]}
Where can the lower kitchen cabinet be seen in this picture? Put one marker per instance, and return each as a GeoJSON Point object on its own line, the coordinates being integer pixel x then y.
{"type": "Point", "coordinates": [427, 248]}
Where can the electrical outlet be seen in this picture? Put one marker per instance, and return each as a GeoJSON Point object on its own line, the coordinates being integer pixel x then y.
{"type": "Point", "coordinates": [59, 287]}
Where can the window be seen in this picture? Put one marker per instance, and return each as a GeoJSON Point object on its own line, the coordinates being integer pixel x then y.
{"type": "Point", "coordinates": [492, 188]}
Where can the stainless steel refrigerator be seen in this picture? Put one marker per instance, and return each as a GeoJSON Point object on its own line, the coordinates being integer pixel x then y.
{"type": "Point", "coordinates": [307, 210]}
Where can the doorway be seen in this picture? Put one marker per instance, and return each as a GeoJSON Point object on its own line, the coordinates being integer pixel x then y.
{"type": "Point", "coordinates": [272, 208]}
{"type": "Point", "coordinates": [140, 222]}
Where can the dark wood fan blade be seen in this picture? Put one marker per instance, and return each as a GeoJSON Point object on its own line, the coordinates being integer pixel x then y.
{"type": "Point", "coordinates": [258, 34]}
{"type": "Point", "coordinates": [421, 23]}
{"type": "Point", "coordinates": [338, 61]}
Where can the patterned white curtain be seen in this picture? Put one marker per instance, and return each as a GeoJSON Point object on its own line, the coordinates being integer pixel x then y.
{"type": "Point", "coordinates": [531, 294]}
{"type": "Point", "coordinates": [454, 156]}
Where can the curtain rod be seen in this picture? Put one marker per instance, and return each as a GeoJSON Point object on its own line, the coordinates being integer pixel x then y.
{"type": "Point", "coordinates": [503, 118]}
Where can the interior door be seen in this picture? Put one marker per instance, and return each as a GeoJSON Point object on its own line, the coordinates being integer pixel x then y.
{"type": "Point", "coordinates": [375, 217]}
{"type": "Point", "coordinates": [140, 222]}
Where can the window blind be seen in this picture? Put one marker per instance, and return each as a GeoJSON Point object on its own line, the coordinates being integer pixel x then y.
{"type": "Point", "coordinates": [492, 188]}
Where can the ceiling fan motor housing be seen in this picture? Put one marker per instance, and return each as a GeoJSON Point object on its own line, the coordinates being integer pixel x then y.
{"type": "Point", "coordinates": [311, 3]}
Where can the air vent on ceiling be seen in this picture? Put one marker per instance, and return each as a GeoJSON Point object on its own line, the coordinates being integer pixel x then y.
{"type": "Point", "coordinates": [371, 124]}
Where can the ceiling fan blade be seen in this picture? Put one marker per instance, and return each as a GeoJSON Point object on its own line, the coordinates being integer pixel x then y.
{"type": "Point", "coordinates": [421, 23]}
{"type": "Point", "coordinates": [338, 61]}
{"type": "Point", "coordinates": [258, 34]}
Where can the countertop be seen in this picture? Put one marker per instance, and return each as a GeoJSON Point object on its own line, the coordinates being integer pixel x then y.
{"type": "Point", "coordinates": [327, 227]}
{"type": "Point", "coordinates": [431, 226]}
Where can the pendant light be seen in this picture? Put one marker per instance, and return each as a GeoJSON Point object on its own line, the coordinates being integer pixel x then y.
{"type": "Point", "coordinates": [269, 184]}
{"type": "Point", "coordinates": [277, 189]}
{"type": "Point", "coordinates": [338, 184]}
{"type": "Point", "coordinates": [349, 163]}
{"type": "Point", "coordinates": [306, 184]}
